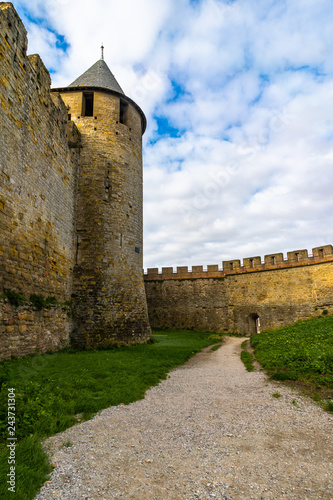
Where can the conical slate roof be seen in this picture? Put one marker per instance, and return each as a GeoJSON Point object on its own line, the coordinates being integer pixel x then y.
{"type": "Point", "coordinates": [99, 75]}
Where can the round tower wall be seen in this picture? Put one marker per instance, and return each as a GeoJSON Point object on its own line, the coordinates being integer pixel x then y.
{"type": "Point", "coordinates": [110, 301]}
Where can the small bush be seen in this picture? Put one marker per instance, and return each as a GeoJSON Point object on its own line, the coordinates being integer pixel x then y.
{"type": "Point", "coordinates": [37, 300]}
{"type": "Point", "coordinates": [51, 301]}
{"type": "Point", "coordinates": [15, 298]}
{"type": "Point", "coordinates": [40, 302]}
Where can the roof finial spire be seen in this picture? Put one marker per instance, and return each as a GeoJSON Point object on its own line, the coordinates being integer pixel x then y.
{"type": "Point", "coordinates": [102, 52]}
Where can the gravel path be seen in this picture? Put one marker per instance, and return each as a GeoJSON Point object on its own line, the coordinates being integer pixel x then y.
{"type": "Point", "coordinates": [211, 430]}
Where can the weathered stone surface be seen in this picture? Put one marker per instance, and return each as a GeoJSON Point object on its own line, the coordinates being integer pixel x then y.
{"type": "Point", "coordinates": [230, 300]}
{"type": "Point", "coordinates": [29, 330]}
{"type": "Point", "coordinates": [70, 209]}
{"type": "Point", "coordinates": [37, 187]}
{"type": "Point", "coordinates": [71, 225]}
{"type": "Point", "coordinates": [37, 172]}
{"type": "Point", "coordinates": [110, 301]}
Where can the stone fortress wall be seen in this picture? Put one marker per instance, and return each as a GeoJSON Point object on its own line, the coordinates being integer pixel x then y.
{"type": "Point", "coordinates": [38, 174]}
{"type": "Point", "coordinates": [70, 207]}
{"type": "Point", "coordinates": [71, 221]}
{"type": "Point", "coordinates": [244, 298]}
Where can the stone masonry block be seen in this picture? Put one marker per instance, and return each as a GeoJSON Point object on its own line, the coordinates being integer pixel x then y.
{"type": "Point", "coordinates": [274, 258]}
{"type": "Point", "coordinates": [230, 265]}
{"type": "Point", "coordinates": [297, 255]}
{"type": "Point", "coordinates": [182, 269]}
{"type": "Point", "coordinates": [252, 262]}
{"type": "Point", "coordinates": [212, 268]}
{"type": "Point", "coordinates": [167, 270]}
{"type": "Point", "coordinates": [152, 271]}
{"type": "Point", "coordinates": [323, 251]}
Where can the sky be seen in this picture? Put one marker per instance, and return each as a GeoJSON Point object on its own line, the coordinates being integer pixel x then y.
{"type": "Point", "coordinates": [238, 95]}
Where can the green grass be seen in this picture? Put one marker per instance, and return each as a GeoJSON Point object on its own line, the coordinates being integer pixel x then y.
{"type": "Point", "coordinates": [302, 353]}
{"type": "Point", "coordinates": [303, 349]}
{"type": "Point", "coordinates": [247, 357]}
{"type": "Point", "coordinates": [32, 468]}
{"type": "Point", "coordinates": [215, 347]}
{"type": "Point", "coordinates": [67, 444]}
{"type": "Point", "coordinates": [52, 388]}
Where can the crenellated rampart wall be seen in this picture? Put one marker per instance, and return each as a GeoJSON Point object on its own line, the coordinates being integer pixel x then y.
{"type": "Point", "coordinates": [241, 298]}
{"type": "Point", "coordinates": [295, 258]}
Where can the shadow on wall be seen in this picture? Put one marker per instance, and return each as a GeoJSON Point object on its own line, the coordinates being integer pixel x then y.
{"type": "Point", "coordinates": [253, 322]}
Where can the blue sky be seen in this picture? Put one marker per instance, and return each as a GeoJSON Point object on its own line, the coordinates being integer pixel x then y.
{"type": "Point", "coordinates": [239, 100]}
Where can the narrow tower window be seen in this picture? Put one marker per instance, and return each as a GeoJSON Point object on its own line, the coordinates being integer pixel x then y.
{"type": "Point", "coordinates": [88, 104]}
{"type": "Point", "coordinates": [123, 112]}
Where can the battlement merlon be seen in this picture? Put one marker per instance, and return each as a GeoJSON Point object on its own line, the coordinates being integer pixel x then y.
{"type": "Point", "coordinates": [13, 50]}
{"type": "Point", "coordinates": [43, 75]}
{"type": "Point", "coordinates": [14, 43]}
{"type": "Point", "coordinates": [296, 258]}
{"type": "Point", "coordinates": [13, 32]}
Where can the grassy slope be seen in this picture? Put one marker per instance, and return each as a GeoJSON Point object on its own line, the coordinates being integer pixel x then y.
{"type": "Point", "coordinates": [303, 353]}
{"type": "Point", "coordinates": [51, 389]}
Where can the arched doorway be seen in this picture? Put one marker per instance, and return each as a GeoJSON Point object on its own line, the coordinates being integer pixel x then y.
{"type": "Point", "coordinates": [254, 323]}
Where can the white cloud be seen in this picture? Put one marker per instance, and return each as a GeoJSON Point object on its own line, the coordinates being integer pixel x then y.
{"type": "Point", "coordinates": [248, 84]}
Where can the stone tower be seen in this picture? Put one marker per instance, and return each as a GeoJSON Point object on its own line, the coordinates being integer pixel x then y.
{"type": "Point", "coordinates": [109, 294]}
